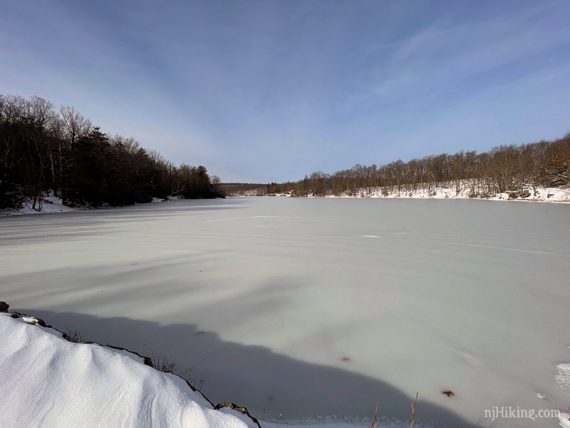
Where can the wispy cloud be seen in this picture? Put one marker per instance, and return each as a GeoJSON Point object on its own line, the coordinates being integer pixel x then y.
{"type": "Point", "coordinates": [441, 55]}
{"type": "Point", "coordinates": [271, 90]}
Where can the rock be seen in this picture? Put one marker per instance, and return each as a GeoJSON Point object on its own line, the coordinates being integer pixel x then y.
{"type": "Point", "coordinates": [525, 194]}
{"type": "Point", "coordinates": [241, 409]}
{"type": "Point", "coordinates": [4, 307]}
{"type": "Point", "coordinates": [513, 195]}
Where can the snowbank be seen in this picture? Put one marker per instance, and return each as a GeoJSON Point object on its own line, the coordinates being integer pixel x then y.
{"type": "Point", "coordinates": [49, 381]}
{"type": "Point", "coordinates": [45, 205]}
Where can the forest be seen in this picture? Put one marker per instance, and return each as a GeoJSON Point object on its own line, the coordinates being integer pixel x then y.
{"type": "Point", "coordinates": [44, 150]}
{"type": "Point", "coordinates": [510, 168]}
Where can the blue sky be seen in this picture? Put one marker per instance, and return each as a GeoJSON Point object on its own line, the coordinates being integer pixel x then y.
{"type": "Point", "coordinates": [271, 90]}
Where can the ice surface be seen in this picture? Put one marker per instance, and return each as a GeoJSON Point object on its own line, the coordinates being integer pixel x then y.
{"type": "Point", "coordinates": [287, 306]}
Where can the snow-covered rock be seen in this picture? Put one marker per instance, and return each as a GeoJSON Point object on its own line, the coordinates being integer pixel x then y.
{"type": "Point", "coordinates": [49, 381]}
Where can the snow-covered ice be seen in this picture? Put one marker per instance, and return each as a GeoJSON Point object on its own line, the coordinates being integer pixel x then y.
{"type": "Point", "coordinates": [287, 306]}
{"type": "Point", "coordinates": [563, 377]}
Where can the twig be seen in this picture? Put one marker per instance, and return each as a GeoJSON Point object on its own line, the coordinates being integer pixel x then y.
{"type": "Point", "coordinates": [374, 422]}
{"type": "Point", "coordinates": [413, 415]}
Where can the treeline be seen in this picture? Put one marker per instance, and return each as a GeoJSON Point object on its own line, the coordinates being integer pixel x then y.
{"type": "Point", "coordinates": [43, 149]}
{"type": "Point", "coordinates": [240, 188]}
{"type": "Point", "coordinates": [503, 169]}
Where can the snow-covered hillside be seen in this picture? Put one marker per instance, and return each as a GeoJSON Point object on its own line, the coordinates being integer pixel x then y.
{"type": "Point", "coordinates": [49, 381]}
{"type": "Point", "coordinates": [464, 191]}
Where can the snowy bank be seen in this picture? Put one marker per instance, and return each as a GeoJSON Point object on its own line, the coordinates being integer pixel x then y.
{"type": "Point", "coordinates": [53, 204]}
{"type": "Point", "coordinates": [465, 190]}
{"type": "Point", "coordinates": [44, 205]}
{"type": "Point", "coordinates": [50, 381]}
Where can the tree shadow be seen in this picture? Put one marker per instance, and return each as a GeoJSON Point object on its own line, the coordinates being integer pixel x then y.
{"type": "Point", "coordinates": [274, 387]}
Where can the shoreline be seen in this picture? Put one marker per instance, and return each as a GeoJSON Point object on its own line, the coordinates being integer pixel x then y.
{"type": "Point", "coordinates": [563, 202]}
{"type": "Point", "coordinates": [443, 192]}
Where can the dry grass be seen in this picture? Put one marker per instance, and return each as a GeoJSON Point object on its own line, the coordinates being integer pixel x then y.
{"type": "Point", "coordinates": [413, 412]}
{"type": "Point", "coordinates": [160, 362]}
{"type": "Point", "coordinates": [74, 336]}
{"type": "Point", "coordinates": [374, 422]}
{"type": "Point", "coordinates": [413, 404]}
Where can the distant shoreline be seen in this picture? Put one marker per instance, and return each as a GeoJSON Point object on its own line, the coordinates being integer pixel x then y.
{"type": "Point", "coordinates": [402, 198]}
{"type": "Point", "coordinates": [467, 189]}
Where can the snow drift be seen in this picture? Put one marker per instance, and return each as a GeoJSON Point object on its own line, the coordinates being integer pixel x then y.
{"type": "Point", "coordinates": [49, 381]}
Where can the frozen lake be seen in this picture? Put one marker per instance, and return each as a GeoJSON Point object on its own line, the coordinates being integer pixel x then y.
{"type": "Point", "coordinates": [298, 308]}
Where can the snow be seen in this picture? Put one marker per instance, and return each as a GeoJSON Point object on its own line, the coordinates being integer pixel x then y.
{"type": "Point", "coordinates": [45, 205]}
{"type": "Point", "coordinates": [450, 190]}
{"type": "Point", "coordinates": [288, 305]}
{"type": "Point", "coordinates": [52, 204]}
{"type": "Point", "coordinates": [466, 189]}
{"type": "Point", "coordinates": [91, 385]}
{"type": "Point", "coordinates": [30, 320]}
{"type": "Point", "coordinates": [563, 377]}
{"type": "Point", "coordinates": [50, 382]}
{"type": "Point", "coordinates": [564, 419]}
